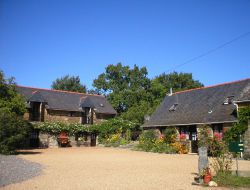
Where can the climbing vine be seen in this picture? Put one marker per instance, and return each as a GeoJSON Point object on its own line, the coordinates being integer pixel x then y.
{"type": "Point", "coordinates": [241, 126]}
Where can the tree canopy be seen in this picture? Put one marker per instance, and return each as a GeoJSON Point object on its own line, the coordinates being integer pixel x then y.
{"type": "Point", "coordinates": [133, 94]}
{"type": "Point", "coordinates": [10, 100]}
{"type": "Point", "coordinates": [13, 129]}
{"type": "Point", "coordinates": [69, 83]}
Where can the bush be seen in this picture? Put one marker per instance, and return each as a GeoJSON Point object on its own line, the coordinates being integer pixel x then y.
{"type": "Point", "coordinates": [161, 147]}
{"type": "Point", "coordinates": [55, 128]}
{"type": "Point", "coordinates": [114, 126]}
{"type": "Point", "coordinates": [180, 147]}
{"type": "Point", "coordinates": [170, 135]}
{"type": "Point", "coordinates": [147, 140]}
{"type": "Point", "coordinates": [13, 132]}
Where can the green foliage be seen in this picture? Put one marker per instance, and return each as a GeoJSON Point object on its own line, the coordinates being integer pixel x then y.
{"type": "Point", "coordinates": [147, 140]}
{"type": "Point", "coordinates": [205, 137]}
{"type": "Point", "coordinates": [114, 126]}
{"type": "Point", "coordinates": [104, 130]}
{"type": "Point", "coordinates": [227, 179]}
{"type": "Point", "coordinates": [240, 127]}
{"type": "Point", "coordinates": [150, 142]}
{"type": "Point", "coordinates": [170, 135]}
{"type": "Point", "coordinates": [123, 85]}
{"type": "Point", "coordinates": [10, 100]}
{"type": "Point", "coordinates": [13, 129]}
{"type": "Point", "coordinates": [56, 128]}
{"type": "Point", "coordinates": [161, 147]}
{"type": "Point", "coordinates": [113, 140]}
{"type": "Point", "coordinates": [69, 83]}
{"type": "Point", "coordinates": [221, 159]}
{"type": "Point", "coordinates": [13, 132]}
{"type": "Point", "coordinates": [177, 81]}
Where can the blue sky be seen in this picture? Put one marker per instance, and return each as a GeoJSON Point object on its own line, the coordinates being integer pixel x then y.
{"type": "Point", "coordinates": [41, 40]}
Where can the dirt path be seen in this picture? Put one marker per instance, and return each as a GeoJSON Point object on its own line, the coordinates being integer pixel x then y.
{"type": "Point", "coordinates": [111, 169]}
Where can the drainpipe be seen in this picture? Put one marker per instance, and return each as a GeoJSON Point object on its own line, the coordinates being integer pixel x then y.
{"type": "Point", "coordinates": [237, 109]}
{"type": "Point", "coordinates": [171, 92]}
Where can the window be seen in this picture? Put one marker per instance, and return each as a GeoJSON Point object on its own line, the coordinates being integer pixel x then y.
{"type": "Point", "coordinates": [228, 100]}
{"type": "Point", "coordinates": [173, 107]}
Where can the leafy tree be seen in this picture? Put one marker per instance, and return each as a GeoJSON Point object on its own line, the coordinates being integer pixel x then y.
{"type": "Point", "coordinates": [13, 129]}
{"type": "Point", "coordinates": [177, 81]}
{"type": "Point", "coordinates": [124, 86]}
{"type": "Point", "coordinates": [13, 132]}
{"type": "Point", "coordinates": [68, 83]}
{"type": "Point", "coordinates": [10, 100]}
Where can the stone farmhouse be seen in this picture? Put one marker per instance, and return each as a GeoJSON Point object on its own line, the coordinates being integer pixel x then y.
{"type": "Point", "coordinates": [214, 106]}
{"type": "Point", "coordinates": [55, 105]}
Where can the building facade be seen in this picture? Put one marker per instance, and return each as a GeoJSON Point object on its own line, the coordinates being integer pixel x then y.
{"type": "Point", "coordinates": [44, 105]}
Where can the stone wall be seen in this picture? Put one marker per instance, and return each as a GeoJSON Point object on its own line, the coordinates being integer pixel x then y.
{"type": "Point", "coordinates": [50, 141]}
{"type": "Point", "coordinates": [68, 116]}
{"type": "Point", "coordinates": [65, 116]}
{"type": "Point", "coordinates": [246, 154]}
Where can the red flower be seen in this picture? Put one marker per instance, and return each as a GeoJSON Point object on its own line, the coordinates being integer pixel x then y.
{"type": "Point", "coordinates": [182, 136]}
{"type": "Point", "coordinates": [217, 135]}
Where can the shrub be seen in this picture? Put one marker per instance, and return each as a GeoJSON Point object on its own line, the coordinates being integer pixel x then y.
{"type": "Point", "coordinates": [147, 140]}
{"type": "Point", "coordinates": [170, 135]}
{"type": "Point", "coordinates": [240, 127]}
{"type": "Point", "coordinates": [57, 127]}
{"type": "Point", "coordinates": [113, 126]}
{"type": "Point", "coordinates": [13, 132]}
{"type": "Point", "coordinates": [221, 159]}
{"type": "Point", "coordinates": [161, 147]}
{"type": "Point", "coordinates": [180, 148]}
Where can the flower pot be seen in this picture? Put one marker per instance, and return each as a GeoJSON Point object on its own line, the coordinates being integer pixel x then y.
{"type": "Point", "coordinates": [207, 178]}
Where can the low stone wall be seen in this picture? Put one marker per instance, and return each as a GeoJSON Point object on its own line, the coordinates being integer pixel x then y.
{"type": "Point", "coordinates": [246, 154]}
{"type": "Point", "coordinates": [50, 141]}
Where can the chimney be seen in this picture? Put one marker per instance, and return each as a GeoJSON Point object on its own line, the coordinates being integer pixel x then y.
{"type": "Point", "coordinates": [171, 92]}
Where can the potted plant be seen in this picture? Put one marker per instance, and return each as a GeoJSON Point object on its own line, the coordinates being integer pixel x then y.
{"type": "Point", "coordinates": [207, 176]}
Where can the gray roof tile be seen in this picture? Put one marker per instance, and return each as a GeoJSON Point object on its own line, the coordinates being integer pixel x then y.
{"type": "Point", "coordinates": [64, 100]}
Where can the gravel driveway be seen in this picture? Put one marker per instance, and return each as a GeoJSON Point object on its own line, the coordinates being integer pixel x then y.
{"type": "Point", "coordinates": [111, 169]}
{"type": "Point", "coordinates": [14, 169]}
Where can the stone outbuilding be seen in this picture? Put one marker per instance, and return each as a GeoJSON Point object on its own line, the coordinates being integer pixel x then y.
{"type": "Point", "coordinates": [189, 110]}
{"type": "Point", "coordinates": [46, 105]}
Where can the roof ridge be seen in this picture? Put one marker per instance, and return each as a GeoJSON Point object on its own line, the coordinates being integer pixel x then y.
{"type": "Point", "coordinates": [211, 86]}
{"type": "Point", "coordinates": [70, 92]}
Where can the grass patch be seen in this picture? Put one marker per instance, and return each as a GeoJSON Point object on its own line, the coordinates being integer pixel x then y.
{"type": "Point", "coordinates": [227, 179]}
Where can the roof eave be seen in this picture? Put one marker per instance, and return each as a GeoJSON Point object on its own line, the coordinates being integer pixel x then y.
{"type": "Point", "coordinates": [241, 101]}
{"type": "Point", "coordinates": [185, 124]}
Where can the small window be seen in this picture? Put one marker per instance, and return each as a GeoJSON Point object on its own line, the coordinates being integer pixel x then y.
{"type": "Point", "coordinates": [101, 105]}
{"type": "Point", "coordinates": [173, 107]}
{"type": "Point", "coordinates": [228, 100]}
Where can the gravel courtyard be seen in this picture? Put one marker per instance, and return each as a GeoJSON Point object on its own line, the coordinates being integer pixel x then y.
{"type": "Point", "coordinates": [109, 168]}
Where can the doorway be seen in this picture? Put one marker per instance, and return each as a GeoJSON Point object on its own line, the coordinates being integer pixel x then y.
{"type": "Point", "coordinates": [192, 131]}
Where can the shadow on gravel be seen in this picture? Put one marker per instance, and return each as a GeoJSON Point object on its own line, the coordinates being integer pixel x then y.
{"type": "Point", "coordinates": [27, 152]}
{"type": "Point", "coordinates": [15, 169]}
{"type": "Point", "coordinates": [193, 173]}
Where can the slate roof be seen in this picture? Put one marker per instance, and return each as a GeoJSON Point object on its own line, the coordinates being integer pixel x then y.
{"type": "Point", "coordinates": [64, 100]}
{"type": "Point", "coordinates": [200, 106]}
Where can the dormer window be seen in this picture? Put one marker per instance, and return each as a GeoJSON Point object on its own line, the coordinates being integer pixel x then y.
{"type": "Point", "coordinates": [228, 100]}
{"type": "Point", "coordinates": [101, 105]}
{"type": "Point", "coordinates": [173, 107]}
